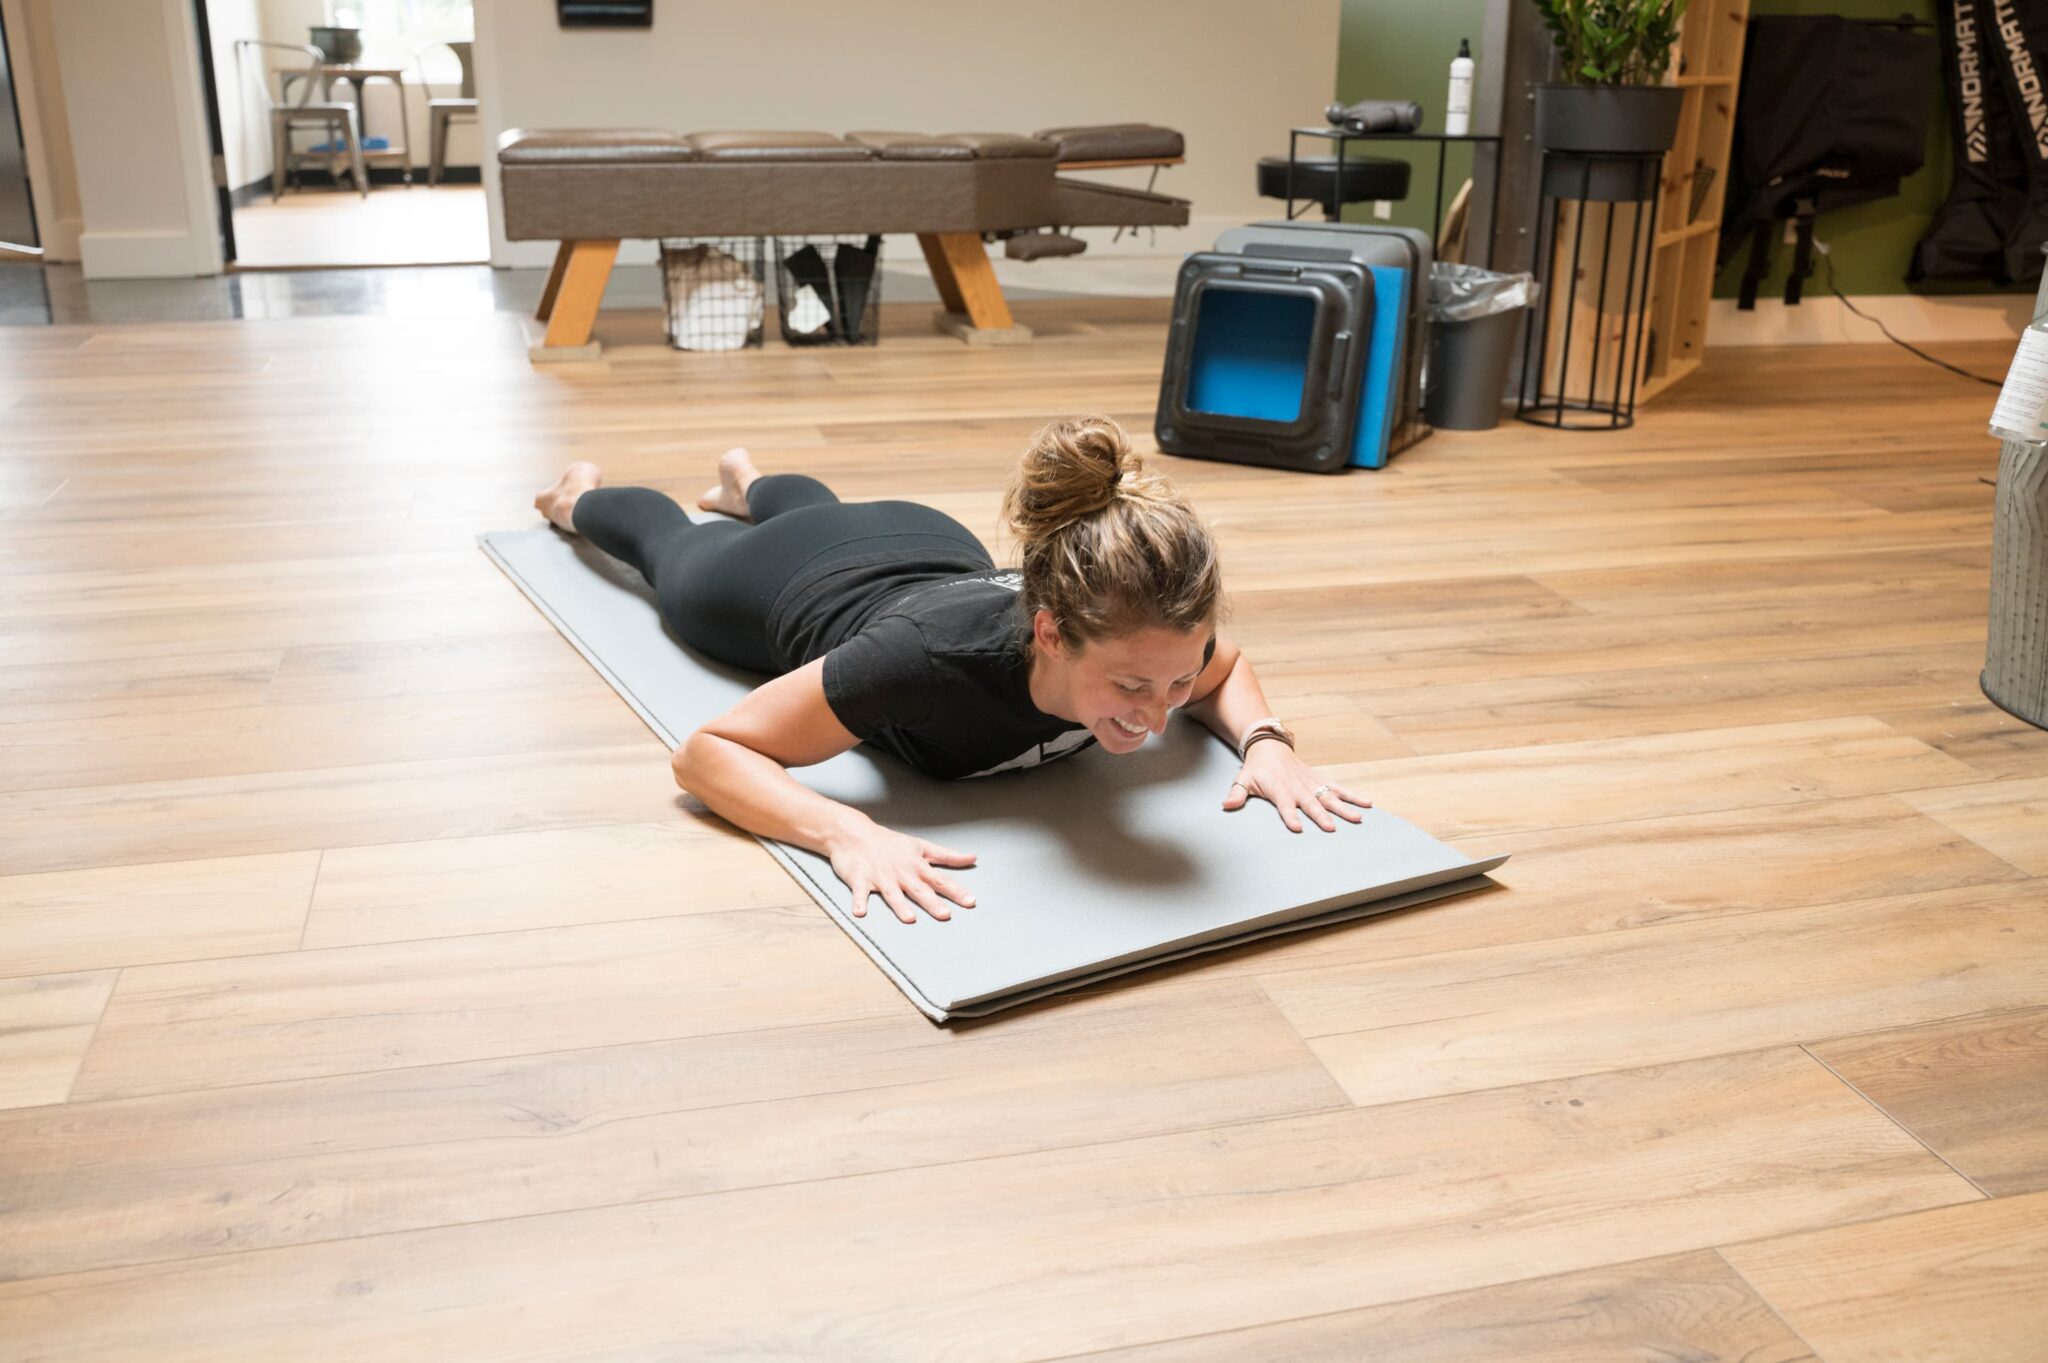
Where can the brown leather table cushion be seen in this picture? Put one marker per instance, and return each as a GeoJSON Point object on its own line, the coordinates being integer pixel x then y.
{"type": "Point", "coordinates": [777, 146]}
{"type": "Point", "coordinates": [893, 146]}
{"type": "Point", "coordinates": [1004, 146]}
{"type": "Point", "coordinates": [603, 146]}
{"type": "Point", "coordinates": [788, 198]}
{"type": "Point", "coordinates": [889, 146]}
{"type": "Point", "coordinates": [569, 186]}
{"type": "Point", "coordinates": [631, 146]}
{"type": "Point", "coordinates": [1115, 142]}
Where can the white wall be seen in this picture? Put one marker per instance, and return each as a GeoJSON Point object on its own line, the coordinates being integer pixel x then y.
{"type": "Point", "coordinates": [244, 126]}
{"type": "Point", "coordinates": [1911, 317]}
{"type": "Point", "coordinates": [138, 134]}
{"type": "Point", "coordinates": [1232, 76]}
{"type": "Point", "coordinates": [286, 21]}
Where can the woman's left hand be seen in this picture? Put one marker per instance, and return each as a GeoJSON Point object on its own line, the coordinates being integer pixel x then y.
{"type": "Point", "coordinates": [1272, 772]}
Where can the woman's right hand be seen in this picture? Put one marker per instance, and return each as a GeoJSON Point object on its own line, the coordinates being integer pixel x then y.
{"type": "Point", "coordinates": [903, 870]}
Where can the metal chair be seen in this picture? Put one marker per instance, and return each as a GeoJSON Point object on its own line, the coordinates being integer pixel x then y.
{"type": "Point", "coordinates": [442, 112]}
{"type": "Point", "coordinates": [334, 118]}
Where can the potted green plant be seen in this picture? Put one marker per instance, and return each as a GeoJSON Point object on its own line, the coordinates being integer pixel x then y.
{"type": "Point", "coordinates": [1615, 54]}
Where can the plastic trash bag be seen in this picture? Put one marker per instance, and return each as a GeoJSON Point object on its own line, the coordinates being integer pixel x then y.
{"type": "Point", "coordinates": [714, 302]}
{"type": "Point", "coordinates": [1465, 293]}
{"type": "Point", "coordinates": [718, 315]}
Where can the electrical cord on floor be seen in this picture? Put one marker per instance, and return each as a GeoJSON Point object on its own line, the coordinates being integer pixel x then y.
{"type": "Point", "coordinates": [1828, 256]}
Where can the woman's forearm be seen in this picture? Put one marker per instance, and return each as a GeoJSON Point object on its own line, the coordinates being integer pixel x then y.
{"type": "Point", "coordinates": [759, 795]}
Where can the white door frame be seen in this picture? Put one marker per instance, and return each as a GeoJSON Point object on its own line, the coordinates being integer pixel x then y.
{"type": "Point", "coordinates": [195, 142]}
{"type": "Point", "coordinates": [59, 238]}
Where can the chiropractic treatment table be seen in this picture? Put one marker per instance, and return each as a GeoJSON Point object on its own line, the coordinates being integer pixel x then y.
{"type": "Point", "coordinates": [591, 188]}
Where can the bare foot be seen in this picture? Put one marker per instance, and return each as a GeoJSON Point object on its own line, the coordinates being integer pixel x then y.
{"type": "Point", "coordinates": [559, 501]}
{"type": "Point", "coordinates": [736, 473]}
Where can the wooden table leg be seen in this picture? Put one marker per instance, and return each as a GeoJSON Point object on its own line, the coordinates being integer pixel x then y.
{"type": "Point", "coordinates": [942, 272]}
{"type": "Point", "coordinates": [554, 285]}
{"type": "Point", "coordinates": [976, 310]}
{"type": "Point", "coordinates": [571, 306]}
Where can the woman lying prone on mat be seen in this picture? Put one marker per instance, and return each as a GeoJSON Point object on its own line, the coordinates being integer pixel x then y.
{"type": "Point", "coordinates": [888, 623]}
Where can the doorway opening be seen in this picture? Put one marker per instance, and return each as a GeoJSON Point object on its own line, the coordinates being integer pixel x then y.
{"type": "Point", "coordinates": [349, 131]}
{"type": "Point", "coordinates": [18, 237]}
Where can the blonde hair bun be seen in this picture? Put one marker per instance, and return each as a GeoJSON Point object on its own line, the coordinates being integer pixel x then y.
{"type": "Point", "coordinates": [1073, 468]}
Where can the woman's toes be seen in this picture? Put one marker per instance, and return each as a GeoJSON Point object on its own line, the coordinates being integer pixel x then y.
{"type": "Point", "coordinates": [725, 501]}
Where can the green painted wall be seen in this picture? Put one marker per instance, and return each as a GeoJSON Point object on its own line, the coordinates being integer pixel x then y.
{"type": "Point", "coordinates": [1402, 49]}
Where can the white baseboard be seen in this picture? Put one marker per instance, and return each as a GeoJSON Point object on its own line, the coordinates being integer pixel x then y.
{"type": "Point", "coordinates": [1911, 317]}
{"type": "Point", "coordinates": [145, 255]}
{"type": "Point", "coordinates": [61, 248]}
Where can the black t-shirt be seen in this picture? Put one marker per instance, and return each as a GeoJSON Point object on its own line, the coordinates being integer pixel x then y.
{"type": "Point", "coordinates": [926, 660]}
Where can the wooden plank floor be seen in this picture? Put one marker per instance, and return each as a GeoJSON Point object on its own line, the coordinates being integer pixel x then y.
{"type": "Point", "coordinates": [367, 990]}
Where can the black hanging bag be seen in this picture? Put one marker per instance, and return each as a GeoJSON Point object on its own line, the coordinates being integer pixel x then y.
{"type": "Point", "coordinates": [1966, 240]}
{"type": "Point", "coordinates": [2018, 45]}
{"type": "Point", "coordinates": [1833, 113]}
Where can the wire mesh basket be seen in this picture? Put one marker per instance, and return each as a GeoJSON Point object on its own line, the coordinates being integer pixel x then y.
{"type": "Point", "coordinates": [829, 289]}
{"type": "Point", "coordinates": [716, 289]}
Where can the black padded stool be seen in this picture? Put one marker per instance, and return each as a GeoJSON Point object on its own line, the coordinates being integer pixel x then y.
{"type": "Point", "coordinates": [1366, 178]}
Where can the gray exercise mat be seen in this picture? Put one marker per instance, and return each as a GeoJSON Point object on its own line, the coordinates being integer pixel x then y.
{"type": "Point", "coordinates": [1087, 867]}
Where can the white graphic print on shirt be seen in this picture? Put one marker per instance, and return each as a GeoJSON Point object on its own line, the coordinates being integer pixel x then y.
{"type": "Point", "coordinates": [1066, 744]}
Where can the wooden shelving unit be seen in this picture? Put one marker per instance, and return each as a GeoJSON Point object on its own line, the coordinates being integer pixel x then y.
{"type": "Point", "coordinates": [1584, 343]}
{"type": "Point", "coordinates": [1709, 67]}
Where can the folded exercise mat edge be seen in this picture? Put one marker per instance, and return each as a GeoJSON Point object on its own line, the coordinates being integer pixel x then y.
{"type": "Point", "coordinates": [774, 848]}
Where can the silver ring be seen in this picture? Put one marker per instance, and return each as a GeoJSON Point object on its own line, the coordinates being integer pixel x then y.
{"type": "Point", "coordinates": [1319, 792]}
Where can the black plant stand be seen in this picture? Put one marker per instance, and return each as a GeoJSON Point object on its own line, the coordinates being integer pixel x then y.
{"type": "Point", "coordinates": [1587, 178]}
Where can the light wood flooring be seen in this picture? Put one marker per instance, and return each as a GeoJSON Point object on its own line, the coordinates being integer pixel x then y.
{"type": "Point", "coordinates": [393, 224]}
{"type": "Point", "coordinates": [367, 991]}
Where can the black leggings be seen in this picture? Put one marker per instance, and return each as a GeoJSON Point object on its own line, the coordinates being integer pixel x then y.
{"type": "Point", "coordinates": [716, 582]}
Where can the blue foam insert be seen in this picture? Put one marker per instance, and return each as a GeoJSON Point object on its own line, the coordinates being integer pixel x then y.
{"type": "Point", "coordinates": [1379, 398]}
{"type": "Point", "coordinates": [1250, 355]}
